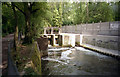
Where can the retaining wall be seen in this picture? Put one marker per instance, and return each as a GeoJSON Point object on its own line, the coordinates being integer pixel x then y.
{"type": "Point", "coordinates": [103, 28]}
{"type": "Point", "coordinates": [105, 34]}
{"type": "Point", "coordinates": [109, 42]}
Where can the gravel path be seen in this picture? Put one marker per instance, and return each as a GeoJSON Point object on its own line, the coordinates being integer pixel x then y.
{"type": "Point", "coordinates": [5, 41]}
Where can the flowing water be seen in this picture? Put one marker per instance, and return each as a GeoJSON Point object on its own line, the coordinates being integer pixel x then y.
{"type": "Point", "coordinates": [78, 61]}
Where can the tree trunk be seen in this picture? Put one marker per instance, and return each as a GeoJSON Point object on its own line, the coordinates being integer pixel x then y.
{"type": "Point", "coordinates": [28, 38]}
{"type": "Point", "coordinates": [16, 30]}
{"type": "Point", "coordinates": [16, 38]}
{"type": "Point", "coordinates": [87, 13]}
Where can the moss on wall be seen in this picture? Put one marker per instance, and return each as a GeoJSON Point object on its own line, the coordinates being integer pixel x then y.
{"type": "Point", "coordinates": [36, 59]}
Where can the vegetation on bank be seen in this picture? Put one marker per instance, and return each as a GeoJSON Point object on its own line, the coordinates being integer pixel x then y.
{"type": "Point", "coordinates": [26, 60]}
{"type": "Point", "coordinates": [29, 19]}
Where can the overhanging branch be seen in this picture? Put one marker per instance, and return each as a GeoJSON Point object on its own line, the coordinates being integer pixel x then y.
{"type": "Point", "coordinates": [18, 8]}
{"type": "Point", "coordinates": [34, 10]}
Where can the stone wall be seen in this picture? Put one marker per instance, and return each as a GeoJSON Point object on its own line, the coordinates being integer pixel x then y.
{"type": "Point", "coordinates": [109, 42]}
{"type": "Point", "coordinates": [102, 28]}
{"type": "Point", "coordinates": [36, 59]}
{"type": "Point", "coordinates": [43, 45]}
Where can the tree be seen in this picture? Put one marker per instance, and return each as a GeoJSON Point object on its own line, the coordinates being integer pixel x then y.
{"type": "Point", "coordinates": [28, 9]}
{"type": "Point", "coordinates": [16, 28]}
{"type": "Point", "coordinates": [100, 11]}
{"type": "Point", "coordinates": [68, 13]}
{"type": "Point", "coordinates": [93, 12]}
{"type": "Point", "coordinates": [7, 19]}
{"type": "Point", "coordinates": [80, 13]}
{"type": "Point", "coordinates": [116, 9]}
{"type": "Point", "coordinates": [13, 17]}
{"type": "Point", "coordinates": [60, 14]}
{"type": "Point", "coordinates": [56, 16]}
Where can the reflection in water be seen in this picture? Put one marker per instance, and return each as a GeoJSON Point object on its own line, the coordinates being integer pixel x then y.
{"type": "Point", "coordinates": [78, 61]}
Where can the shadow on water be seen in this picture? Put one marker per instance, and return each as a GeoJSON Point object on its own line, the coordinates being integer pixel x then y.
{"type": "Point", "coordinates": [45, 71]}
{"type": "Point", "coordinates": [78, 61]}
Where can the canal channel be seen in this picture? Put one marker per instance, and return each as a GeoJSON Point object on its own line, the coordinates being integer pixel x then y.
{"type": "Point", "coordinates": [78, 61]}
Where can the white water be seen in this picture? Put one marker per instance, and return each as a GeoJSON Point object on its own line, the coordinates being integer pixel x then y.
{"type": "Point", "coordinates": [64, 55]}
{"type": "Point", "coordinates": [64, 58]}
{"type": "Point", "coordinates": [58, 49]}
{"type": "Point", "coordinates": [51, 59]}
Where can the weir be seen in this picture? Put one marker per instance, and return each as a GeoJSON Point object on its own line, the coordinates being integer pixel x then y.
{"type": "Point", "coordinates": [106, 44]}
{"type": "Point", "coordinates": [56, 38]}
{"type": "Point", "coordinates": [65, 58]}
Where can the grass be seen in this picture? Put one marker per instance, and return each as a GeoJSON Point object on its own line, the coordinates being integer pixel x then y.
{"type": "Point", "coordinates": [22, 58]}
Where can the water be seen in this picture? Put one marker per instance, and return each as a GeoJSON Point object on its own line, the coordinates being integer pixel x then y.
{"type": "Point", "coordinates": [78, 61]}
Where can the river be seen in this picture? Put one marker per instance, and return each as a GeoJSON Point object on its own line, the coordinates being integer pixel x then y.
{"type": "Point", "coordinates": [78, 61]}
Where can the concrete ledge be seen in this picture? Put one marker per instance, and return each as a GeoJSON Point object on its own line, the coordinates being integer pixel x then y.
{"type": "Point", "coordinates": [108, 42]}
{"type": "Point", "coordinates": [108, 52]}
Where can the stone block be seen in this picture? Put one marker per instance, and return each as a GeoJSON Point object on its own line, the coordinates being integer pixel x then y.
{"type": "Point", "coordinates": [42, 43]}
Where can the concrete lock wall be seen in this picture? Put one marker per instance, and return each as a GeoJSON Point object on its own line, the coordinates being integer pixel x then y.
{"type": "Point", "coordinates": [109, 42]}
{"type": "Point", "coordinates": [104, 34]}
{"type": "Point", "coordinates": [103, 28]}
{"type": "Point", "coordinates": [66, 40]}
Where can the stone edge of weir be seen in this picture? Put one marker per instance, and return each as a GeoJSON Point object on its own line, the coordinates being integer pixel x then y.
{"type": "Point", "coordinates": [104, 51]}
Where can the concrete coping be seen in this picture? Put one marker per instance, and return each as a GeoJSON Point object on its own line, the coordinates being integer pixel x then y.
{"type": "Point", "coordinates": [113, 53]}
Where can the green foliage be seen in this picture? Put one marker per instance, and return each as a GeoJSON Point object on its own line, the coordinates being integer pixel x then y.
{"type": "Point", "coordinates": [7, 20]}
{"type": "Point", "coordinates": [93, 12]}
{"type": "Point", "coordinates": [68, 13]}
{"type": "Point", "coordinates": [40, 19]}
{"type": "Point", "coordinates": [100, 11]}
{"type": "Point", "coordinates": [79, 13]}
{"type": "Point", "coordinates": [55, 10]}
{"type": "Point", "coordinates": [60, 14]}
{"type": "Point", "coordinates": [30, 72]}
{"type": "Point", "coordinates": [116, 9]}
{"type": "Point", "coordinates": [43, 14]}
